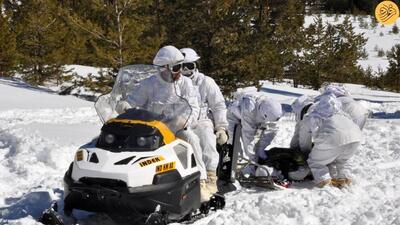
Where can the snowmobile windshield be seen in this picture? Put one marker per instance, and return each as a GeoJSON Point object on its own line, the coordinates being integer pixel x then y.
{"type": "Point", "coordinates": [128, 77]}
{"type": "Point", "coordinates": [143, 88]}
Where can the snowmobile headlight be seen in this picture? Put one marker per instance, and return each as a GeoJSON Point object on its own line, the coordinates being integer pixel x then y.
{"type": "Point", "coordinates": [142, 141]}
{"type": "Point", "coordinates": [79, 155]}
{"type": "Point", "coordinates": [109, 138]}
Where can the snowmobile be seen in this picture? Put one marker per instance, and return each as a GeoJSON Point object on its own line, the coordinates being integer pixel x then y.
{"type": "Point", "coordinates": [136, 170]}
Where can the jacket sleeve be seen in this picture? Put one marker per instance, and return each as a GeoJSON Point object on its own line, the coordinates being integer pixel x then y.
{"type": "Point", "coordinates": [216, 104]}
{"type": "Point", "coordinates": [295, 142]}
{"type": "Point", "coordinates": [249, 125]}
{"type": "Point", "coordinates": [191, 95]}
{"type": "Point", "coordinates": [305, 136]}
{"type": "Point", "coordinates": [270, 131]}
{"type": "Point", "coordinates": [355, 110]}
{"type": "Point", "coordinates": [233, 117]}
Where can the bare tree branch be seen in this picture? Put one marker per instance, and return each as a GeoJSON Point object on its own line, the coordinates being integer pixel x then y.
{"type": "Point", "coordinates": [96, 34]}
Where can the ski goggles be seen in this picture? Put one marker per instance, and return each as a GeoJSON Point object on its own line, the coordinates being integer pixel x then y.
{"type": "Point", "coordinates": [189, 66]}
{"type": "Point", "coordinates": [175, 68]}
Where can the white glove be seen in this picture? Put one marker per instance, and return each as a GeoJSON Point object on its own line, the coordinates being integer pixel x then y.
{"type": "Point", "coordinates": [122, 106]}
{"type": "Point", "coordinates": [221, 135]}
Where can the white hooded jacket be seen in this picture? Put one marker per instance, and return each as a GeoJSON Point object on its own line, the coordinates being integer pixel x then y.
{"type": "Point", "coordinates": [247, 111]}
{"type": "Point", "coordinates": [355, 110]}
{"type": "Point", "coordinates": [326, 126]}
{"type": "Point", "coordinates": [211, 99]}
{"type": "Point", "coordinates": [350, 106]}
{"type": "Point", "coordinates": [173, 99]}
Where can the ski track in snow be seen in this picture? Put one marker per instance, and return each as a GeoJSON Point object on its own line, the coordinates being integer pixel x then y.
{"type": "Point", "coordinates": [32, 166]}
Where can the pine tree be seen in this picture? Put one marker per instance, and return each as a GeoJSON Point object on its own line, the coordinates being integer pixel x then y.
{"type": "Point", "coordinates": [218, 31]}
{"type": "Point", "coordinates": [111, 34]}
{"type": "Point", "coordinates": [312, 71]}
{"type": "Point", "coordinates": [264, 61]}
{"type": "Point", "coordinates": [7, 45]}
{"type": "Point", "coordinates": [118, 32]}
{"type": "Point", "coordinates": [392, 75]}
{"type": "Point", "coordinates": [39, 35]}
{"type": "Point", "coordinates": [331, 54]}
{"type": "Point", "coordinates": [347, 50]}
{"type": "Point", "coordinates": [288, 36]}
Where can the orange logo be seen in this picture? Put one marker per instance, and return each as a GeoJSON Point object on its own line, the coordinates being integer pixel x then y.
{"type": "Point", "coordinates": [387, 12]}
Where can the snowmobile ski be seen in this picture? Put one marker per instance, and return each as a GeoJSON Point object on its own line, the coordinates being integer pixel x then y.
{"type": "Point", "coordinates": [50, 216]}
{"type": "Point", "coordinates": [217, 202]}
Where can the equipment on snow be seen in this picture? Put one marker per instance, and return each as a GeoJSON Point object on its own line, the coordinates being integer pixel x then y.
{"type": "Point", "coordinates": [232, 162]}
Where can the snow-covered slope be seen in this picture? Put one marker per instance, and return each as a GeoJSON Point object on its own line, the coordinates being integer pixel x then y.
{"type": "Point", "coordinates": [286, 94]}
{"type": "Point", "coordinates": [40, 131]}
{"type": "Point", "coordinates": [379, 37]}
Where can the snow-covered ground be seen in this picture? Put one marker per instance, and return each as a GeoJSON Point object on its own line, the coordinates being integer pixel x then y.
{"type": "Point", "coordinates": [40, 131]}
{"type": "Point", "coordinates": [39, 134]}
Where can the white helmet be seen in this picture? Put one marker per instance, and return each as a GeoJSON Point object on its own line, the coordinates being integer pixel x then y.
{"type": "Point", "coordinates": [336, 90]}
{"type": "Point", "coordinates": [270, 109]}
{"type": "Point", "coordinates": [190, 55]}
{"type": "Point", "coordinates": [168, 55]}
{"type": "Point", "coordinates": [299, 104]}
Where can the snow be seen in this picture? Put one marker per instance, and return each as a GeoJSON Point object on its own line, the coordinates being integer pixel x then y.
{"type": "Point", "coordinates": [286, 94]}
{"type": "Point", "coordinates": [379, 37]}
{"type": "Point", "coordinates": [27, 97]}
{"type": "Point", "coordinates": [83, 71]}
{"type": "Point", "coordinates": [40, 132]}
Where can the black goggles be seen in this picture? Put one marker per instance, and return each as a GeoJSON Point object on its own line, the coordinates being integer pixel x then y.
{"type": "Point", "coordinates": [189, 66]}
{"type": "Point", "coordinates": [176, 68]}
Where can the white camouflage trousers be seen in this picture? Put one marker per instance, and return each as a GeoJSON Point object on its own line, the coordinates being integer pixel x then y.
{"type": "Point", "coordinates": [189, 136]}
{"type": "Point", "coordinates": [331, 163]}
{"type": "Point", "coordinates": [205, 132]}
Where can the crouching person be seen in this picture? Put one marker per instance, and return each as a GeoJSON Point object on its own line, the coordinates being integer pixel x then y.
{"type": "Point", "coordinates": [331, 137]}
{"type": "Point", "coordinates": [257, 114]}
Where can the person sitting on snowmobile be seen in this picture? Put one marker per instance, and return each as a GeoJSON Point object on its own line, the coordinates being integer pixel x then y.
{"type": "Point", "coordinates": [210, 99]}
{"type": "Point", "coordinates": [331, 137]}
{"type": "Point", "coordinates": [257, 114]}
{"type": "Point", "coordinates": [162, 93]}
